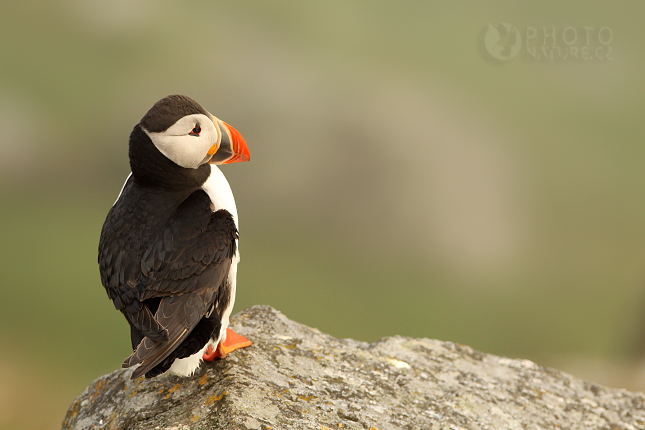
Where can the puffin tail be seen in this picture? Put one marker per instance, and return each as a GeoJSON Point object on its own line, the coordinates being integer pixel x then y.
{"type": "Point", "coordinates": [179, 315]}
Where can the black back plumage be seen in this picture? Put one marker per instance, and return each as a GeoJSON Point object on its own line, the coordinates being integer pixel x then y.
{"type": "Point", "coordinates": [164, 255]}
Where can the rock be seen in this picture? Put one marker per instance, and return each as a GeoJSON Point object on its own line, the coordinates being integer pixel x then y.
{"type": "Point", "coordinates": [295, 377]}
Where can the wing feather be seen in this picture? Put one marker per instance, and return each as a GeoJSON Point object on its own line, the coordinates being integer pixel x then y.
{"type": "Point", "coordinates": [186, 267]}
{"type": "Point", "coordinates": [180, 314]}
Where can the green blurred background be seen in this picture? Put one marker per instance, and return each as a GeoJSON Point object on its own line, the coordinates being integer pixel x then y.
{"type": "Point", "coordinates": [403, 181]}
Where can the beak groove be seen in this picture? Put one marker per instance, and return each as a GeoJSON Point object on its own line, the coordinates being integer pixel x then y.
{"type": "Point", "coordinates": [232, 147]}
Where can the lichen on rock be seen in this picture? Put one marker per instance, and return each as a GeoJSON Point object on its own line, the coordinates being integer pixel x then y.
{"type": "Point", "coordinates": [295, 377]}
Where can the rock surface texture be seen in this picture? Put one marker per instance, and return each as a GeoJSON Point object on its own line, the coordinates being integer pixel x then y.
{"type": "Point", "coordinates": [295, 377]}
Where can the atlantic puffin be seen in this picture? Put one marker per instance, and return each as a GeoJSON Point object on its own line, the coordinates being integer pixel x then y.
{"type": "Point", "coordinates": [168, 251]}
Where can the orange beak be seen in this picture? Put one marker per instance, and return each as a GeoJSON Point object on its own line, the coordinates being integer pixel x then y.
{"type": "Point", "coordinates": [232, 146]}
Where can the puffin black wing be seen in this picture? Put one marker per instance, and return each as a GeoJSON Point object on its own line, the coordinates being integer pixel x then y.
{"type": "Point", "coordinates": [187, 267]}
{"type": "Point", "coordinates": [188, 253]}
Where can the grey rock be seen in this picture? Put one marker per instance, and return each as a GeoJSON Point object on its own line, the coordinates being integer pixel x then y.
{"type": "Point", "coordinates": [295, 377]}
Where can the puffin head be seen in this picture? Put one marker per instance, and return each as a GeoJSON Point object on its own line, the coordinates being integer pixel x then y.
{"type": "Point", "coordinates": [179, 137]}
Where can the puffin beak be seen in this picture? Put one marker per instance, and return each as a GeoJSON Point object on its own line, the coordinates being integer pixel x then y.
{"type": "Point", "coordinates": [232, 147]}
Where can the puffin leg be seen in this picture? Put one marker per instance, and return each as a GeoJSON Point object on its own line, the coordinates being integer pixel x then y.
{"type": "Point", "coordinates": [233, 341]}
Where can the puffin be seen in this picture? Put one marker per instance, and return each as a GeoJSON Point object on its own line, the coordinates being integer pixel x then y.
{"type": "Point", "coordinates": [168, 250]}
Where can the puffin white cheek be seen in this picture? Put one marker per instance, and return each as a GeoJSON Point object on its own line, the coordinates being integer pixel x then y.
{"type": "Point", "coordinates": [192, 151]}
{"type": "Point", "coordinates": [185, 151]}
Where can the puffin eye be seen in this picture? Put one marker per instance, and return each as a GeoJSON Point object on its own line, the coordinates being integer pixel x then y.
{"type": "Point", "coordinates": [196, 130]}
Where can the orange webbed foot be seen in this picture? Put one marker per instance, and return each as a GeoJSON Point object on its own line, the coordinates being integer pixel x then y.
{"type": "Point", "coordinates": [233, 341]}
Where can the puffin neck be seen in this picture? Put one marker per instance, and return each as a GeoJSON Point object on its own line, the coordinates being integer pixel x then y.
{"type": "Point", "coordinates": [152, 169]}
